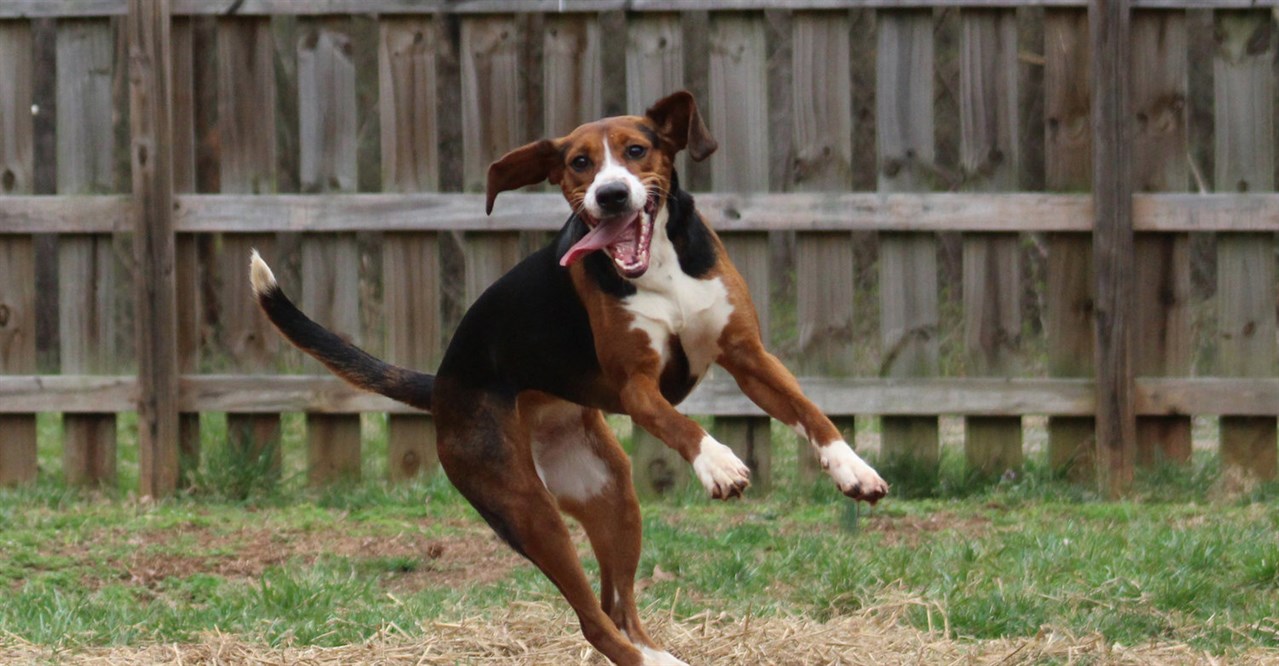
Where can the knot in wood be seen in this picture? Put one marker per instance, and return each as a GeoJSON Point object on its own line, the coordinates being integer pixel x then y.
{"type": "Point", "coordinates": [4, 314]}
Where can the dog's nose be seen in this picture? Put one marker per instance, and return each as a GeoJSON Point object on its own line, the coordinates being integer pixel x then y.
{"type": "Point", "coordinates": [612, 198]}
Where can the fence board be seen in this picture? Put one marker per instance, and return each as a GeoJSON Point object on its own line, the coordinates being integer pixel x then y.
{"type": "Point", "coordinates": [822, 148]}
{"type": "Point", "coordinates": [17, 253]}
{"type": "Point", "coordinates": [1162, 288]}
{"type": "Point", "coordinates": [86, 263]}
{"type": "Point", "coordinates": [991, 160]}
{"type": "Point", "coordinates": [1245, 160]}
{"type": "Point", "coordinates": [1069, 289]}
{"type": "Point", "coordinates": [908, 262]}
{"type": "Point", "coordinates": [187, 270]}
{"type": "Point", "coordinates": [327, 130]}
{"type": "Point", "coordinates": [246, 127]}
{"type": "Point", "coordinates": [492, 124]}
{"type": "Point", "coordinates": [410, 261]}
{"type": "Point", "coordinates": [572, 73]}
{"type": "Point", "coordinates": [737, 112]}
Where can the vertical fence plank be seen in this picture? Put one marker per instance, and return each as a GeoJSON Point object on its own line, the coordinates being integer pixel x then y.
{"type": "Point", "coordinates": [1244, 93]}
{"type": "Point", "coordinates": [908, 261]}
{"type": "Point", "coordinates": [990, 156]}
{"type": "Point", "coordinates": [17, 253]}
{"type": "Point", "coordinates": [822, 148]}
{"type": "Point", "coordinates": [572, 72]}
{"type": "Point", "coordinates": [654, 68]}
{"type": "Point", "coordinates": [153, 245]}
{"type": "Point", "coordinates": [1109, 43]}
{"type": "Point", "coordinates": [1160, 86]}
{"type": "Point", "coordinates": [493, 122]}
{"type": "Point", "coordinates": [410, 261]}
{"type": "Point", "coordinates": [327, 130]}
{"type": "Point", "coordinates": [246, 127]}
{"type": "Point", "coordinates": [86, 263]}
{"type": "Point", "coordinates": [187, 270]}
{"type": "Point", "coordinates": [738, 108]}
{"type": "Point", "coordinates": [1069, 289]}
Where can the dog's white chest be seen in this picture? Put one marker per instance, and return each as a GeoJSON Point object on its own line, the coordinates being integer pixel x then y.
{"type": "Point", "coordinates": [670, 303]}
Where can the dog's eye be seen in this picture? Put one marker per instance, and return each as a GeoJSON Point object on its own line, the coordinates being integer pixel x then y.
{"type": "Point", "coordinates": [636, 151]}
{"type": "Point", "coordinates": [580, 163]}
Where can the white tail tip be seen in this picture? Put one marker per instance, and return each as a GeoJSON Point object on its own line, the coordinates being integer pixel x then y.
{"type": "Point", "coordinates": [260, 275]}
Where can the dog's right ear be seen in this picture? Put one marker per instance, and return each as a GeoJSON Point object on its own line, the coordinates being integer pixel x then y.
{"type": "Point", "coordinates": [526, 165]}
{"type": "Point", "coordinates": [679, 122]}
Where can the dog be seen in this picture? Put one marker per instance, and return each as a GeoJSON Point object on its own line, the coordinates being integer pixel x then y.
{"type": "Point", "coordinates": [623, 312]}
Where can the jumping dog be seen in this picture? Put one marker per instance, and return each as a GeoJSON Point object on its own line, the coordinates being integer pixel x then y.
{"type": "Point", "coordinates": [623, 312]}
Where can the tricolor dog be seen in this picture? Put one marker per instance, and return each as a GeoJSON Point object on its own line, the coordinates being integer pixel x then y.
{"type": "Point", "coordinates": [624, 312]}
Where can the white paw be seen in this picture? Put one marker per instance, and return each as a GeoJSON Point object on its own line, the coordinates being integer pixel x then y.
{"type": "Point", "coordinates": [658, 657]}
{"type": "Point", "coordinates": [721, 472]}
{"type": "Point", "coordinates": [853, 476]}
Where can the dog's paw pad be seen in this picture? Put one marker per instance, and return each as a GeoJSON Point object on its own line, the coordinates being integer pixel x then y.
{"type": "Point", "coordinates": [721, 472]}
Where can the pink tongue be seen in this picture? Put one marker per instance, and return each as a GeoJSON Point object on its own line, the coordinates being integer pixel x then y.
{"type": "Point", "coordinates": [604, 234]}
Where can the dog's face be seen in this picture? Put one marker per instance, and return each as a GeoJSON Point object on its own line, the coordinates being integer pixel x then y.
{"type": "Point", "coordinates": [615, 173]}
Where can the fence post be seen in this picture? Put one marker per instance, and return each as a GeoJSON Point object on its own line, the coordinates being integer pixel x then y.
{"type": "Point", "coordinates": [17, 253]}
{"type": "Point", "coordinates": [153, 245]}
{"type": "Point", "coordinates": [1109, 33]}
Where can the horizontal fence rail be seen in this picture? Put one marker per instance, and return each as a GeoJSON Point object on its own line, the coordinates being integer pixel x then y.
{"type": "Point", "coordinates": [728, 213]}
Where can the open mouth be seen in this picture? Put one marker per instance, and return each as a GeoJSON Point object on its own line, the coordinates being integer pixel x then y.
{"type": "Point", "coordinates": [625, 238]}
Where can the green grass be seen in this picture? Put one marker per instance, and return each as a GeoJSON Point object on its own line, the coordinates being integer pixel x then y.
{"type": "Point", "coordinates": [986, 560]}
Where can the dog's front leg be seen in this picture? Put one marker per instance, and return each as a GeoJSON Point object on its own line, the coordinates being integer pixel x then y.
{"type": "Point", "coordinates": [721, 472]}
{"type": "Point", "coordinates": [771, 386]}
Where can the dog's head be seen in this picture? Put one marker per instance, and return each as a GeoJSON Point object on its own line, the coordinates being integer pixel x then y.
{"type": "Point", "coordinates": [615, 173]}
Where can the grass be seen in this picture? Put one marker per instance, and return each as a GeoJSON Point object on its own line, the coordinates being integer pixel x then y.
{"type": "Point", "coordinates": [290, 565]}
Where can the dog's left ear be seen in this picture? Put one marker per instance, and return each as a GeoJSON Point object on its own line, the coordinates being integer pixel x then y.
{"type": "Point", "coordinates": [679, 122]}
{"type": "Point", "coordinates": [526, 165]}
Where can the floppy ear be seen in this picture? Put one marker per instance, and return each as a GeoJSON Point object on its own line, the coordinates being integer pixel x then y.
{"type": "Point", "coordinates": [526, 165]}
{"type": "Point", "coordinates": [679, 123]}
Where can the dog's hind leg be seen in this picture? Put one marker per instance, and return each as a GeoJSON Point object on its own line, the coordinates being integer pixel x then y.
{"type": "Point", "coordinates": [483, 448]}
{"type": "Point", "coordinates": [585, 468]}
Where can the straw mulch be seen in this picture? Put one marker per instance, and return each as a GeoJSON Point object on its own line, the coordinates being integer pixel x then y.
{"type": "Point", "coordinates": [543, 635]}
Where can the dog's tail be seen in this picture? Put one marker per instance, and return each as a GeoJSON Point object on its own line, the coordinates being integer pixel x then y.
{"type": "Point", "coordinates": [347, 361]}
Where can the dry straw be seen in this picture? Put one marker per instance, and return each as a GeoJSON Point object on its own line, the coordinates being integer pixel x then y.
{"type": "Point", "coordinates": [536, 634]}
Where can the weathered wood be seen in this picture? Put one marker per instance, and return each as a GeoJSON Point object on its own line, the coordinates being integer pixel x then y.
{"type": "Point", "coordinates": [1109, 41]}
{"type": "Point", "coordinates": [86, 264]}
{"type": "Point", "coordinates": [737, 107]}
{"type": "Point", "coordinates": [246, 128]}
{"type": "Point", "coordinates": [17, 253]}
{"type": "Point", "coordinates": [190, 297]}
{"type": "Point", "coordinates": [87, 8]}
{"type": "Point", "coordinates": [654, 63]}
{"type": "Point", "coordinates": [493, 123]}
{"type": "Point", "coordinates": [411, 268]}
{"type": "Point", "coordinates": [1014, 212]}
{"type": "Point", "coordinates": [990, 157]}
{"type": "Point", "coordinates": [327, 130]}
{"type": "Point", "coordinates": [1245, 161]}
{"type": "Point", "coordinates": [79, 394]}
{"type": "Point", "coordinates": [1161, 291]}
{"type": "Point", "coordinates": [908, 262]}
{"type": "Point", "coordinates": [572, 73]}
{"type": "Point", "coordinates": [822, 153]}
{"type": "Point", "coordinates": [1069, 290]}
{"type": "Point", "coordinates": [154, 252]}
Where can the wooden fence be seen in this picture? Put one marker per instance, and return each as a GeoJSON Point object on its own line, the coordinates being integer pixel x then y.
{"type": "Point", "coordinates": [917, 192]}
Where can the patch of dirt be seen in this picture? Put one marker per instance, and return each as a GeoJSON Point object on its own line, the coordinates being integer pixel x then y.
{"type": "Point", "coordinates": [413, 561]}
{"type": "Point", "coordinates": [914, 530]}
